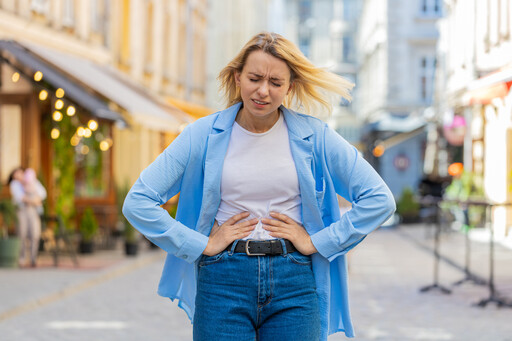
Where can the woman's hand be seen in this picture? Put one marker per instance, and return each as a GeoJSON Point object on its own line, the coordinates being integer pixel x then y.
{"type": "Point", "coordinates": [285, 227]}
{"type": "Point", "coordinates": [231, 230]}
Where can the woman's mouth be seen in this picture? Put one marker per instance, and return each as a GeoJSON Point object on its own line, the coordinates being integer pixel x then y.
{"type": "Point", "coordinates": [259, 103]}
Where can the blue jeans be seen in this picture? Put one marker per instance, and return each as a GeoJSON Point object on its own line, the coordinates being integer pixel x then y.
{"type": "Point", "coordinates": [242, 298]}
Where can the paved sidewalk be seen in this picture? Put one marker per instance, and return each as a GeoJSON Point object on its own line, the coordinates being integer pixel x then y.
{"type": "Point", "coordinates": [117, 300]}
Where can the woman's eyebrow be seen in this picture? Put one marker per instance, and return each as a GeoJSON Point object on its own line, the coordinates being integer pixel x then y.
{"type": "Point", "coordinates": [260, 76]}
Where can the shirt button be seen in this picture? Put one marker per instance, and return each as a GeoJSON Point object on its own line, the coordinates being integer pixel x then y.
{"type": "Point", "coordinates": [185, 256]}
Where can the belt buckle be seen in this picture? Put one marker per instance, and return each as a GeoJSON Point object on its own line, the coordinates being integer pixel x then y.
{"type": "Point", "coordinates": [247, 249]}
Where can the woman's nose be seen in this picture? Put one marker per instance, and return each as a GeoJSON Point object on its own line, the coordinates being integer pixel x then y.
{"type": "Point", "coordinates": [263, 89]}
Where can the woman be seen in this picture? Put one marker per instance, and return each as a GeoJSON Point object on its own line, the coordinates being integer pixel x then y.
{"type": "Point", "coordinates": [260, 171]}
{"type": "Point", "coordinates": [27, 194]}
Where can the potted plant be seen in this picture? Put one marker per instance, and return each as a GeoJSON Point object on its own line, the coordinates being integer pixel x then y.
{"type": "Point", "coordinates": [130, 234]}
{"type": "Point", "coordinates": [408, 207]}
{"type": "Point", "coordinates": [88, 229]}
{"type": "Point", "coordinates": [9, 245]}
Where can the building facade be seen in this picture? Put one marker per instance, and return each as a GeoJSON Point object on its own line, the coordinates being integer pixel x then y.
{"type": "Point", "coordinates": [131, 73]}
{"type": "Point", "coordinates": [397, 52]}
{"type": "Point", "coordinates": [476, 54]}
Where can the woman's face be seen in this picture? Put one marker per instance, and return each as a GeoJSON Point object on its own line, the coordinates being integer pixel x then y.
{"type": "Point", "coordinates": [264, 83]}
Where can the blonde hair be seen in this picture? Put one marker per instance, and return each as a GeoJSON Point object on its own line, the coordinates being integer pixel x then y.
{"type": "Point", "coordinates": [311, 84]}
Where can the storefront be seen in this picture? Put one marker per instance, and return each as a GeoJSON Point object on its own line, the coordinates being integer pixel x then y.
{"type": "Point", "coordinates": [85, 129]}
{"type": "Point", "coordinates": [489, 141]}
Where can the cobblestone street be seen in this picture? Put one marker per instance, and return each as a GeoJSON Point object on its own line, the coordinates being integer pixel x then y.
{"type": "Point", "coordinates": [119, 301]}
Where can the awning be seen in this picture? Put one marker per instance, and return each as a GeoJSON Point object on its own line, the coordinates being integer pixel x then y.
{"type": "Point", "coordinates": [27, 62]}
{"type": "Point", "coordinates": [194, 110]}
{"type": "Point", "coordinates": [485, 89]}
{"type": "Point", "coordinates": [143, 107]}
{"type": "Point", "coordinates": [396, 122]}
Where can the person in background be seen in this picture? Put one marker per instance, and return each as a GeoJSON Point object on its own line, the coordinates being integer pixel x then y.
{"type": "Point", "coordinates": [257, 249]}
{"type": "Point", "coordinates": [28, 195]}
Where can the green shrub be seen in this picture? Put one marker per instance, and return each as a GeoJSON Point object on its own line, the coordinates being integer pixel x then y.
{"type": "Point", "coordinates": [88, 225]}
{"type": "Point", "coordinates": [407, 206]}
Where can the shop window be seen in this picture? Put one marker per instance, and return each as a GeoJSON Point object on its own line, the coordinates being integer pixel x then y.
{"type": "Point", "coordinates": [10, 139]}
{"type": "Point", "coordinates": [93, 164]}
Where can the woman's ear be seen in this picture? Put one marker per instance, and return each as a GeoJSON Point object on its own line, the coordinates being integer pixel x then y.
{"type": "Point", "coordinates": [289, 88]}
{"type": "Point", "coordinates": [237, 78]}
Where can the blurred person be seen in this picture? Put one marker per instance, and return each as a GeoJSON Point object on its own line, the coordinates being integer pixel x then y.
{"type": "Point", "coordinates": [28, 195]}
{"type": "Point", "coordinates": [257, 249]}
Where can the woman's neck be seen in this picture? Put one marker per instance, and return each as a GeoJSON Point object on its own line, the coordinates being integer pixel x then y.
{"type": "Point", "coordinates": [257, 124]}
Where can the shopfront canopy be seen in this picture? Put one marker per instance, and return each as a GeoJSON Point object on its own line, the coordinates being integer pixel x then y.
{"type": "Point", "coordinates": [142, 107]}
{"type": "Point", "coordinates": [28, 63]}
{"type": "Point", "coordinates": [494, 85]}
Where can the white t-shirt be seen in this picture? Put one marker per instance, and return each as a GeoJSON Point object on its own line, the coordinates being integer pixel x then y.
{"type": "Point", "coordinates": [259, 177]}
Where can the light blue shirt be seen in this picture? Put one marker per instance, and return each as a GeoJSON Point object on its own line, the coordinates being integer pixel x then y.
{"type": "Point", "coordinates": [326, 165]}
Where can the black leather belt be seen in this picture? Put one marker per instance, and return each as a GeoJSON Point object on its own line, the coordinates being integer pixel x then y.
{"type": "Point", "coordinates": [262, 247]}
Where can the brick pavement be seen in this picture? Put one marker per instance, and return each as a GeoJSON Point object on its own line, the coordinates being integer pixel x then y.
{"type": "Point", "coordinates": [119, 301]}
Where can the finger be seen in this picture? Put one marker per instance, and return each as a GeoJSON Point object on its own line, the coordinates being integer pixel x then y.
{"type": "Point", "coordinates": [237, 217]}
{"type": "Point", "coordinates": [247, 223]}
{"type": "Point", "coordinates": [282, 217]}
{"type": "Point", "coordinates": [272, 222]}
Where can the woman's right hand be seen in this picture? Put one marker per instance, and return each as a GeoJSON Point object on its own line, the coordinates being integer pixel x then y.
{"type": "Point", "coordinates": [231, 230]}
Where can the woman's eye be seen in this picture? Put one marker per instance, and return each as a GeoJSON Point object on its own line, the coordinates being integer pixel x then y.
{"type": "Point", "coordinates": [253, 80]}
{"type": "Point", "coordinates": [276, 84]}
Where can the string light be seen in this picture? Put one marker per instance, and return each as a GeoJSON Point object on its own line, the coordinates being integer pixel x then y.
{"type": "Point", "coordinates": [93, 125]}
{"type": "Point", "coordinates": [15, 77]}
{"type": "Point", "coordinates": [85, 150]}
{"type": "Point", "coordinates": [59, 104]}
{"type": "Point", "coordinates": [87, 132]}
{"type": "Point", "coordinates": [80, 131]}
{"type": "Point", "coordinates": [57, 116]}
{"type": "Point", "coordinates": [55, 133]}
{"type": "Point", "coordinates": [38, 76]}
{"type": "Point", "coordinates": [59, 93]}
{"type": "Point", "coordinates": [75, 140]}
{"type": "Point", "coordinates": [71, 110]}
{"type": "Point", "coordinates": [104, 145]}
{"type": "Point", "coordinates": [43, 95]}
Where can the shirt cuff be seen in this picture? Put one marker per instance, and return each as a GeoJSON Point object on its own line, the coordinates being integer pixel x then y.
{"type": "Point", "coordinates": [194, 246]}
{"type": "Point", "coordinates": [324, 244]}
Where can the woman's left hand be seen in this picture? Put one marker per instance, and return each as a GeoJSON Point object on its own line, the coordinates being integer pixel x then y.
{"type": "Point", "coordinates": [285, 227]}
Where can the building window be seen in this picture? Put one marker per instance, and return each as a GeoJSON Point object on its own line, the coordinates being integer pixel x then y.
{"type": "Point", "coordinates": [427, 73]}
{"type": "Point", "coordinates": [68, 17]}
{"type": "Point", "coordinates": [40, 6]}
{"type": "Point", "coordinates": [430, 7]}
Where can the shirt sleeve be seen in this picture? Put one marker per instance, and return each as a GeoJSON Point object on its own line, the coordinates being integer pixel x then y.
{"type": "Point", "coordinates": [17, 192]}
{"type": "Point", "coordinates": [160, 181]}
{"type": "Point", "coordinates": [355, 180]}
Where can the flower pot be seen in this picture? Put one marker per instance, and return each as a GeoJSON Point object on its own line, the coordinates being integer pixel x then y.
{"type": "Point", "coordinates": [86, 247]}
{"type": "Point", "coordinates": [9, 252]}
{"type": "Point", "coordinates": [131, 249]}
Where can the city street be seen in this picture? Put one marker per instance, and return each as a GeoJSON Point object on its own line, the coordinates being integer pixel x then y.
{"type": "Point", "coordinates": [118, 301]}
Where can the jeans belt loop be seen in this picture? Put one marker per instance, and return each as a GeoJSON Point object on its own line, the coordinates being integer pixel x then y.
{"type": "Point", "coordinates": [283, 245]}
{"type": "Point", "coordinates": [248, 241]}
{"type": "Point", "coordinates": [233, 246]}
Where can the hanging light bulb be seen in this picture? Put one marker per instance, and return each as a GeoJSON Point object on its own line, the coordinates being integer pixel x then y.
{"type": "Point", "coordinates": [59, 104]}
{"type": "Point", "coordinates": [55, 133]}
{"type": "Point", "coordinates": [87, 132]}
{"type": "Point", "coordinates": [59, 93]}
{"type": "Point", "coordinates": [80, 131]}
{"type": "Point", "coordinates": [93, 125]}
{"type": "Point", "coordinates": [57, 116]}
{"type": "Point", "coordinates": [85, 150]}
{"type": "Point", "coordinates": [75, 140]}
{"type": "Point", "coordinates": [71, 110]}
{"type": "Point", "coordinates": [15, 77]}
{"type": "Point", "coordinates": [104, 146]}
{"type": "Point", "coordinates": [43, 95]}
{"type": "Point", "coordinates": [38, 76]}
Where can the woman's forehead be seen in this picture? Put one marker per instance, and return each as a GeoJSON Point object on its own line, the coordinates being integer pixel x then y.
{"type": "Point", "coordinates": [263, 64]}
